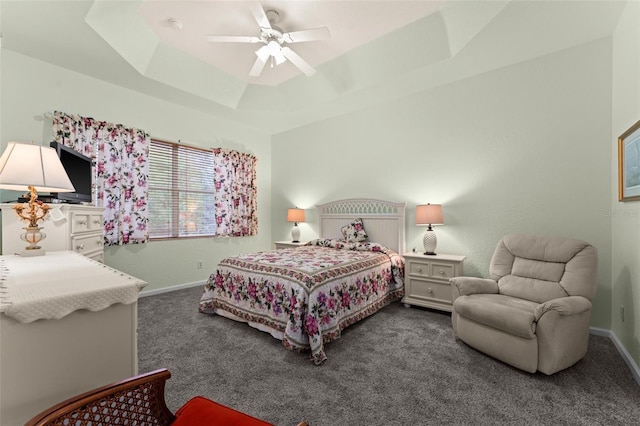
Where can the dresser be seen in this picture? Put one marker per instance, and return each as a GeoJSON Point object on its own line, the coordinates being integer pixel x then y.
{"type": "Point", "coordinates": [68, 324]}
{"type": "Point", "coordinates": [68, 227]}
{"type": "Point", "coordinates": [426, 279]}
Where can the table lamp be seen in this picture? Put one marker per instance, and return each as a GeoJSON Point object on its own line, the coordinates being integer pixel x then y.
{"type": "Point", "coordinates": [295, 215]}
{"type": "Point", "coordinates": [34, 168]}
{"type": "Point", "coordinates": [429, 214]}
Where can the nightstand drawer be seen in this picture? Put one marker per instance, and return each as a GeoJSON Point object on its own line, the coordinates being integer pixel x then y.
{"type": "Point", "coordinates": [419, 268]}
{"type": "Point", "coordinates": [440, 270]}
{"type": "Point", "coordinates": [430, 290]}
{"type": "Point", "coordinates": [431, 270]}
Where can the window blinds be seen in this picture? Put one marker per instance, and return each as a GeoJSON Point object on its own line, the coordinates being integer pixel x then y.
{"type": "Point", "coordinates": [181, 191]}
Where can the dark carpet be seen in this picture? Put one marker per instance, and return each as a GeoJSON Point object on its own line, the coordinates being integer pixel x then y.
{"type": "Point", "coordinates": [398, 367]}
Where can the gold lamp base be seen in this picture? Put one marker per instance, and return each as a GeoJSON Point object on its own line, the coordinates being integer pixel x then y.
{"type": "Point", "coordinates": [32, 235]}
{"type": "Point", "coordinates": [33, 252]}
{"type": "Point", "coordinates": [32, 212]}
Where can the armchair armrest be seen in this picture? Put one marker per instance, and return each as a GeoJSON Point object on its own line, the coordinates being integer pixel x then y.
{"type": "Point", "coordinates": [144, 396]}
{"type": "Point", "coordinates": [565, 306]}
{"type": "Point", "coordinates": [464, 286]}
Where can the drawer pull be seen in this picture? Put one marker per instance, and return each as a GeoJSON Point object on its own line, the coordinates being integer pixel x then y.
{"type": "Point", "coordinates": [419, 269]}
{"type": "Point", "coordinates": [441, 271]}
{"type": "Point", "coordinates": [80, 247]}
{"type": "Point", "coordinates": [82, 222]}
{"type": "Point", "coordinates": [430, 290]}
{"type": "Point", "coordinates": [96, 222]}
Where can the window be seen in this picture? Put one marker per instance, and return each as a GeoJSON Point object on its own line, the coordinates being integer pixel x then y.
{"type": "Point", "coordinates": [181, 191]}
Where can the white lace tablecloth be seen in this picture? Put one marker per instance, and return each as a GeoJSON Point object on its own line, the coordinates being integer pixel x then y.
{"type": "Point", "coordinates": [59, 283]}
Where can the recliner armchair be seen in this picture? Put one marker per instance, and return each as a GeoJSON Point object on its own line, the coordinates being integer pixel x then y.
{"type": "Point", "coordinates": [534, 311]}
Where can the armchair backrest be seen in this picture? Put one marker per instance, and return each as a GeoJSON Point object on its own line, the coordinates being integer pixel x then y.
{"type": "Point", "coordinates": [541, 268]}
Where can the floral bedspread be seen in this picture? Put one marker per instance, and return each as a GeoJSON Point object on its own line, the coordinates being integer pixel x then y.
{"type": "Point", "coordinates": [309, 293]}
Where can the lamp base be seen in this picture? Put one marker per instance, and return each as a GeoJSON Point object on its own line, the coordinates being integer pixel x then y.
{"type": "Point", "coordinates": [32, 235]}
{"type": "Point", "coordinates": [295, 234]}
{"type": "Point", "coordinates": [430, 241]}
{"type": "Point", "coordinates": [32, 252]}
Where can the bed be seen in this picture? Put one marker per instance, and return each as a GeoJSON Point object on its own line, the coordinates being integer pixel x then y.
{"type": "Point", "coordinates": [305, 296]}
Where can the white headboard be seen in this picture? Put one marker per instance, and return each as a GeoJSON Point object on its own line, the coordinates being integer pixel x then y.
{"type": "Point", "coordinates": [383, 220]}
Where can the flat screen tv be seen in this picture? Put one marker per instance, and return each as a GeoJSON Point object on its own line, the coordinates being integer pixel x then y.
{"type": "Point", "coordinates": [78, 168]}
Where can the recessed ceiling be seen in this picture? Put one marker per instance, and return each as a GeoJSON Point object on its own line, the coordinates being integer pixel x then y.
{"type": "Point", "coordinates": [378, 51]}
{"type": "Point", "coordinates": [350, 23]}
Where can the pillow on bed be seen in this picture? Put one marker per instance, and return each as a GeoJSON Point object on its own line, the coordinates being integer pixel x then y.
{"type": "Point", "coordinates": [354, 232]}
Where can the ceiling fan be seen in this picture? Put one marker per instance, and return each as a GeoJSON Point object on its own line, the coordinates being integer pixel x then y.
{"type": "Point", "coordinates": [273, 39]}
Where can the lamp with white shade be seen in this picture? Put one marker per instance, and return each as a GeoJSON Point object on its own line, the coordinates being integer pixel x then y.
{"type": "Point", "coordinates": [33, 168]}
{"type": "Point", "coordinates": [429, 214]}
{"type": "Point", "coordinates": [295, 215]}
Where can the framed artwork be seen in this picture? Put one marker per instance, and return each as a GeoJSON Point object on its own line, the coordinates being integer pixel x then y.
{"type": "Point", "coordinates": [629, 164]}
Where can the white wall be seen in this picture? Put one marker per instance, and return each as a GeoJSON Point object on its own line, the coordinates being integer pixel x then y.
{"type": "Point", "coordinates": [625, 220]}
{"type": "Point", "coordinates": [31, 87]}
{"type": "Point", "coordinates": [522, 149]}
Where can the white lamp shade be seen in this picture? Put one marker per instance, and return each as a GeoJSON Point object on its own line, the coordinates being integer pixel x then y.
{"type": "Point", "coordinates": [23, 165]}
{"type": "Point", "coordinates": [295, 215]}
{"type": "Point", "coordinates": [429, 214]}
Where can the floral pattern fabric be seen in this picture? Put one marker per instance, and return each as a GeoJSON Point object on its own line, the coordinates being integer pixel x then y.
{"type": "Point", "coordinates": [354, 232]}
{"type": "Point", "coordinates": [235, 183]}
{"type": "Point", "coordinates": [309, 293]}
{"type": "Point", "coordinates": [121, 172]}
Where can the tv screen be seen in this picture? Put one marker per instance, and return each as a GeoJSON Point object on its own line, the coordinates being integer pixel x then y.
{"type": "Point", "coordinates": [78, 168]}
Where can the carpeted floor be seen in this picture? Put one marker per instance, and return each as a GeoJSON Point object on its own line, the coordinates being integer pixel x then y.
{"type": "Point", "coordinates": [398, 367]}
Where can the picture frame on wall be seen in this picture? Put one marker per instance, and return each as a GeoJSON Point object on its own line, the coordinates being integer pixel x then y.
{"type": "Point", "coordinates": [629, 164]}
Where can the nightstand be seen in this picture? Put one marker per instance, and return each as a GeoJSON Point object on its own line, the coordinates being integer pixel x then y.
{"type": "Point", "coordinates": [426, 279]}
{"type": "Point", "coordinates": [288, 244]}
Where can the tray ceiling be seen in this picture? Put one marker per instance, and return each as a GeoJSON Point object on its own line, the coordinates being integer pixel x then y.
{"type": "Point", "coordinates": [378, 50]}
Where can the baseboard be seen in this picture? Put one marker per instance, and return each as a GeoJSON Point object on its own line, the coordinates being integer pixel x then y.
{"type": "Point", "coordinates": [635, 371]}
{"type": "Point", "coordinates": [172, 288]}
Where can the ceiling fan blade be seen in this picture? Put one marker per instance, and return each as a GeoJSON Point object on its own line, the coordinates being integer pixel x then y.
{"type": "Point", "coordinates": [307, 35]}
{"type": "Point", "coordinates": [257, 67]}
{"type": "Point", "coordinates": [298, 61]}
{"type": "Point", "coordinates": [260, 15]}
{"type": "Point", "coordinates": [234, 39]}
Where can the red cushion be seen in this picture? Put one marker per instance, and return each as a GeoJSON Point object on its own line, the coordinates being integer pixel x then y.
{"type": "Point", "coordinates": [202, 411]}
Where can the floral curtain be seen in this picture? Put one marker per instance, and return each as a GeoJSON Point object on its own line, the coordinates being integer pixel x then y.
{"type": "Point", "coordinates": [236, 193]}
{"type": "Point", "coordinates": [121, 172]}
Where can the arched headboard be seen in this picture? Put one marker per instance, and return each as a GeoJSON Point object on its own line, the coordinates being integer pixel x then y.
{"type": "Point", "coordinates": [383, 220]}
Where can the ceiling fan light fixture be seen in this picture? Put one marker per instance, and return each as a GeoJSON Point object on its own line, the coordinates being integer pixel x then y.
{"type": "Point", "coordinates": [279, 57]}
{"type": "Point", "coordinates": [263, 53]}
{"type": "Point", "coordinates": [271, 50]}
{"type": "Point", "coordinates": [273, 47]}
{"type": "Point", "coordinates": [273, 37]}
